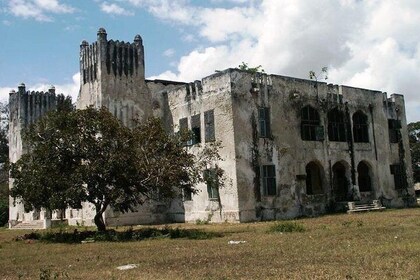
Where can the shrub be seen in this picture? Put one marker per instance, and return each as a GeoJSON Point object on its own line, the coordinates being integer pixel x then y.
{"type": "Point", "coordinates": [286, 227]}
{"type": "Point", "coordinates": [118, 236]}
{"type": "Point", "coordinates": [4, 202]}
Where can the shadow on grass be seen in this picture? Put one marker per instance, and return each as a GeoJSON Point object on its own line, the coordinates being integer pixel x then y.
{"type": "Point", "coordinates": [118, 236]}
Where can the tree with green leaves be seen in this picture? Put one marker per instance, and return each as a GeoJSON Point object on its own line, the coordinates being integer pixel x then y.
{"type": "Point", "coordinates": [244, 66]}
{"type": "Point", "coordinates": [4, 159]}
{"type": "Point", "coordinates": [90, 156]}
{"type": "Point", "coordinates": [317, 76]}
{"type": "Point", "coordinates": [414, 138]}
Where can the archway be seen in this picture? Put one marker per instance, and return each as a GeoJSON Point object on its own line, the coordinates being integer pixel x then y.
{"type": "Point", "coordinates": [313, 178]}
{"type": "Point", "coordinates": [363, 177]}
{"type": "Point", "coordinates": [340, 182]}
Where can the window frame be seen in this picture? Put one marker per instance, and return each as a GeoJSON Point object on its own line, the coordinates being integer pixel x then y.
{"type": "Point", "coordinates": [394, 127]}
{"type": "Point", "coordinates": [310, 188]}
{"type": "Point", "coordinates": [209, 126]}
{"type": "Point", "coordinates": [364, 176]}
{"type": "Point", "coordinates": [196, 129]}
{"type": "Point", "coordinates": [183, 127]}
{"type": "Point", "coordinates": [311, 129]}
{"type": "Point", "coordinates": [264, 122]}
{"type": "Point", "coordinates": [360, 127]}
{"type": "Point", "coordinates": [212, 183]}
{"type": "Point", "coordinates": [398, 172]}
{"type": "Point", "coordinates": [336, 126]}
{"type": "Point", "coordinates": [269, 184]}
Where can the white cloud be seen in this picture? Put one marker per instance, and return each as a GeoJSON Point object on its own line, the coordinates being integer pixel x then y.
{"type": "Point", "coordinates": [115, 9]}
{"type": "Point", "coordinates": [53, 6]}
{"type": "Point", "coordinates": [4, 93]}
{"type": "Point", "coordinates": [169, 52]}
{"type": "Point", "coordinates": [39, 10]}
{"type": "Point", "coordinates": [71, 88]}
{"type": "Point", "coordinates": [178, 11]}
{"type": "Point", "coordinates": [372, 44]}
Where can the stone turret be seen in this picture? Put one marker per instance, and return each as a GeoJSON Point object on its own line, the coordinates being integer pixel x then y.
{"type": "Point", "coordinates": [25, 108]}
{"type": "Point", "coordinates": [112, 75]}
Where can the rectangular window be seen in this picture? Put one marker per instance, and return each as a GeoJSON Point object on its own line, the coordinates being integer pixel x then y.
{"type": "Point", "coordinates": [264, 121]}
{"type": "Point", "coordinates": [183, 127]}
{"type": "Point", "coordinates": [210, 177]}
{"type": "Point", "coordinates": [398, 172]}
{"type": "Point", "coordinates": [209, 126]}
{"type": "Point", "coordinates": [269, 180]}
{"type": "Point", "coordinates": [196, 129]}
{"type": "Point", "coordinates": [394, 127]}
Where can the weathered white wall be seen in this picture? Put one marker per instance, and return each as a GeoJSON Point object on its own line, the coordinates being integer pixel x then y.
{"type": "Point", "coordinates": [285, 97]}
{"type": "Point", "coordinates": [25, 109]}
{"type": "Point", "coordinates": [212, 93]}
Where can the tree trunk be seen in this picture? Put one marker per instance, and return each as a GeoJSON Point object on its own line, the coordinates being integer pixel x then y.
{"type": "Point", "coordinates": [99, 220]}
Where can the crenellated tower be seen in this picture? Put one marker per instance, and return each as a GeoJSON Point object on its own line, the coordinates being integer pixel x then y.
{"type": "Point", "coordinates": [25, 108]}
{"type": "Point", "coordinates": [112, 75]}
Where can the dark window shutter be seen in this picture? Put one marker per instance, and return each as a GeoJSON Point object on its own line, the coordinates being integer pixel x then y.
{"type": "Point", "coordinates": [196, 128]}
{"type": "Point", "coordinates": [209, 126]}
{"type": "Point", "coordinates": [183, 127]}
{"type": "Point", "coordinates": [264, 121]}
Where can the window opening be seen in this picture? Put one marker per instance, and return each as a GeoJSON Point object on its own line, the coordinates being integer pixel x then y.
{"type": "Point", "coordinates": [340, 182]}
{"type": "Point", "coordinates": [209, 126]}
{"type": "Point", "coordinates": [394, 127]}
{"type": "Point", "coordinates": [196, 129]}
{"type": "Point", "coordinates": [313, 179]}
{"type": "Point", "coordinates": [269, 180]}
{"type": "Point", "coordinates": [183, 127]}
{"type": "Point", "coordinates": [310, 125]}
{"type": "Point", "coordinates": [212, 181]}
{"type": "Point", "coordinates": [363, 180]}
{"type": "Point", "coordinates": [360, 128]}
{"type": "Point", "coordinates": [264, 121]}
{"type": "Point", "coordinates": [336, 126]}
{"type": "Point", "coordinates": [399, 181]}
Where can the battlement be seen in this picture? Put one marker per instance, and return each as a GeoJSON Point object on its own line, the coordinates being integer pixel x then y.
{"type": "Point", "coordinates": [115, 58]}
{"type": "Point", "coordinates": [112, 75]}
{"type": "Point", "coordinates": [26, 107]}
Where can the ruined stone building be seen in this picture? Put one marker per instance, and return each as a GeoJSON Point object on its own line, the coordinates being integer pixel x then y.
{"type": "Point", "coordinates": [291, 147]}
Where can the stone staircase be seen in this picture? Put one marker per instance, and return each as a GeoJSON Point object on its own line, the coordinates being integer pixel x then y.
{"type": "Point", "coordinates": [37, 224]}
{"type": "Point", "coordinates": [354, 207]}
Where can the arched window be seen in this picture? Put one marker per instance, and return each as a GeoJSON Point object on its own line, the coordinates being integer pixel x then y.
{"type": "Point", "coordinates": [310, 125]}
{"type": "Point", "coordinates": [363, 179]}
{"type": "Point", "coordinates": [313, 178]}
{"type": "Point", "coordinates": [360, 128]}
{"type": "Point", "coordinates": [336, 126]}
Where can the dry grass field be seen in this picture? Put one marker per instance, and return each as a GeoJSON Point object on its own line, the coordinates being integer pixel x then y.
{"type": "Point", "coordinates": [381, 245]}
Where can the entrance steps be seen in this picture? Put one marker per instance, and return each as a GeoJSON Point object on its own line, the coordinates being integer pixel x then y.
{"type": "Point", "coordinates": [37, 224]}
{"type": "Point", "coordinates": [354, 207]}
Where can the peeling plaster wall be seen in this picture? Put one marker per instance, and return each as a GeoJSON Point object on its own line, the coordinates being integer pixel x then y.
{"type": "Point", "coordinates": [212, 93]}
{"type": "Point", "coordinates": [285, 97]}
{"type": "Point", "coordinates": [25, 109]}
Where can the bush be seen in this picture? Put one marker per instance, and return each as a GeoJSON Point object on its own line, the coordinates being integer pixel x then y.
{"type": "Point", "coordinates": [118, 236]}
{"type": "Point", "coordinates": [286, 227]}
{"type": "Point", "coordinates": [4, 211]}
{"type": "Point", "coordinates": [4, 203]}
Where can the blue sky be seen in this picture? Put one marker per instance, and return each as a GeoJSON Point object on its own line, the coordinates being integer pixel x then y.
{"type": "Point", "coordinates": [371, 44]}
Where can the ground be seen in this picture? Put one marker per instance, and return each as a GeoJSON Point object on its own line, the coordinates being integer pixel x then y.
{"type": "Point", "coordinates": [380, 245]}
